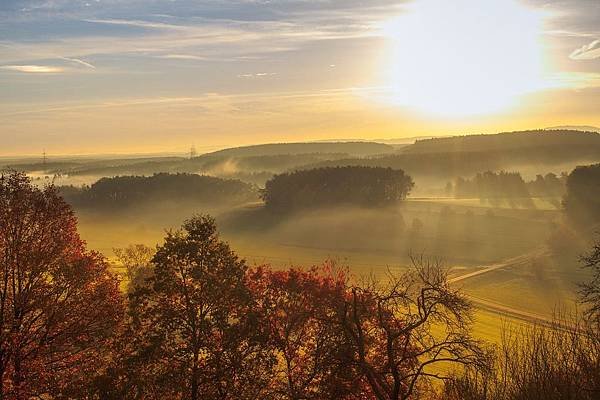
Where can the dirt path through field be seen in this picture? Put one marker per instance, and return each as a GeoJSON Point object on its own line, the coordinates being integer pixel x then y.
{"type": "Point", "coordinates": [499, 308]}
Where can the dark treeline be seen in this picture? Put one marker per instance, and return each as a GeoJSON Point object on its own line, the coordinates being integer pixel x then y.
{"type": "Point", "coordinates": [124, 191]}
{"type": "Point", "coordinates": [494, 185]}
{"type": "Point", "coordinates": [355, 185]}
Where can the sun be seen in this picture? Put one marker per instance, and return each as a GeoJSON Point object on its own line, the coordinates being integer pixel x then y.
{"type": "Point", "coordinates": [463, 57]}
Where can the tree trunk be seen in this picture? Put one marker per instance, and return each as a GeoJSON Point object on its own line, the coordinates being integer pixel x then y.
{"type": "Point", "coordinates": [194, 380]}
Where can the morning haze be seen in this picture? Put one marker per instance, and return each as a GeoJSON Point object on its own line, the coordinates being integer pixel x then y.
{"type": "Point", "coordinates": [299, 200]}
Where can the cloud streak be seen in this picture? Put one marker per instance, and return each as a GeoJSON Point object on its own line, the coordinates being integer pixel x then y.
{"type": "Point", "coordinates": [33, 69]}
{"type": "Point", "coordinates": [182, 57]}
{"type": "Point", "coordinates": [257, 75]}
{"type": "Point", "coordinates": [80, 62]}
{"type": "Point", "coordinates": [589, 51]}
{"type": "Point", "coordinates": [137, 24]}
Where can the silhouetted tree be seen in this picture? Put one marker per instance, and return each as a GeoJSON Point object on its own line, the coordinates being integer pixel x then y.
{"type": "Point", "coordinates": [59, 304]}
{"type": "Point", "coordinates": [403, 330]}
{"type": "Point", "coordinates": [196, 334]}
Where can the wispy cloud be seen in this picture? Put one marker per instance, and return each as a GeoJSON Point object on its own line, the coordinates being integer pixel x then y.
{"type": "Point", "coordinates": [257, 75]}
{"type": "Point", "coordinates": [80, 62]}
{"type": "Point", "coordinates": [137, 23]}
{"type": "Point", "coordinates": [34, 69]}
{"type": "Point", "coordinates": [589, 51]}
{"type": "Point", "coordinates": [182, 57]}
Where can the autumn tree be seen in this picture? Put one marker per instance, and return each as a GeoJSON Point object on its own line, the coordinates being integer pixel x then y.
{"type": "Point", "coordinates": [406, 330]}
{"type": "Point", "coordinates": [196, 335]}
{"type": "Point", "coordinates": [136, 259]}
{"type": "Point", "coordinates": [59, 304]}
{"type": "Point", "coordinates": [313, 356]}
{"type": "Point", "coordinates": [590, 290]}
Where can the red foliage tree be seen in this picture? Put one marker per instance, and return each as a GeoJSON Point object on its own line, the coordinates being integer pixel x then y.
{"type": "Point", "coordinates": [313, 355]}
{"type": "Point", "coordinates": [59, 304]}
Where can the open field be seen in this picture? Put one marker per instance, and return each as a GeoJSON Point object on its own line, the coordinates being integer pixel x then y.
{"type": "Point", "coordinates": [499, 258]}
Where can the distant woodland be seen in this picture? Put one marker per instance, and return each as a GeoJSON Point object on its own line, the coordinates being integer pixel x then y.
{"type": "Point", "coordinates": [495, 185]}
{"type": "Point", "coordinates": [354, 185]}
{"type": "Point", "coordinates": [127, 191]}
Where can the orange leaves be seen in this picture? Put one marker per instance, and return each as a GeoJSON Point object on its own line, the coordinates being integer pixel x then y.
{"type": "Point", "coordinates": [58, 302]}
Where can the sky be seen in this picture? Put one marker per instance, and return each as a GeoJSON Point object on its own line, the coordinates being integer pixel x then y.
{"type": "Point", "coordinates": [122, 76]}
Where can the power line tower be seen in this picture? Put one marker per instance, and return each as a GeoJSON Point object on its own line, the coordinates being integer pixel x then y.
{"type": "Point", "coordinates": [44, 158]}
{"type": "Point", "coordinates": [193, 152]}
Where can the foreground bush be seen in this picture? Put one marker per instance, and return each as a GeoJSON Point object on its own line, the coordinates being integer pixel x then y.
{"type": "Point", "coordinates": [556, 362]}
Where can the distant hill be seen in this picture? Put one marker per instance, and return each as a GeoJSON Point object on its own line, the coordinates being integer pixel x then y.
{"type": "Point", "coordinates": [467, 155]}
{"type": "Point", "coordinates": [439, 157]}
{"type": "Point", "coordinates": [584, 128]}
{"type": "Point", "coordinates": [390, 141]}
{"type": "Point", "coordinates": [508, 141]}
{"type": "Point", "coordinates": [351, 148]}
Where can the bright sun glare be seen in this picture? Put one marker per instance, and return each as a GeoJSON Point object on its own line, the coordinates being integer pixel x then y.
{"type": "Point", "coordinates": [464, 57]}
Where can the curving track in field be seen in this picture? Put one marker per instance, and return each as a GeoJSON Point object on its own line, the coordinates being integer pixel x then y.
{"type": "Point", "coordinates": [499, 308]}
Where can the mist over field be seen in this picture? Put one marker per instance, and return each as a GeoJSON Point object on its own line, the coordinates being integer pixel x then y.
{"type": "Point", "coordinates": [472, 204]}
